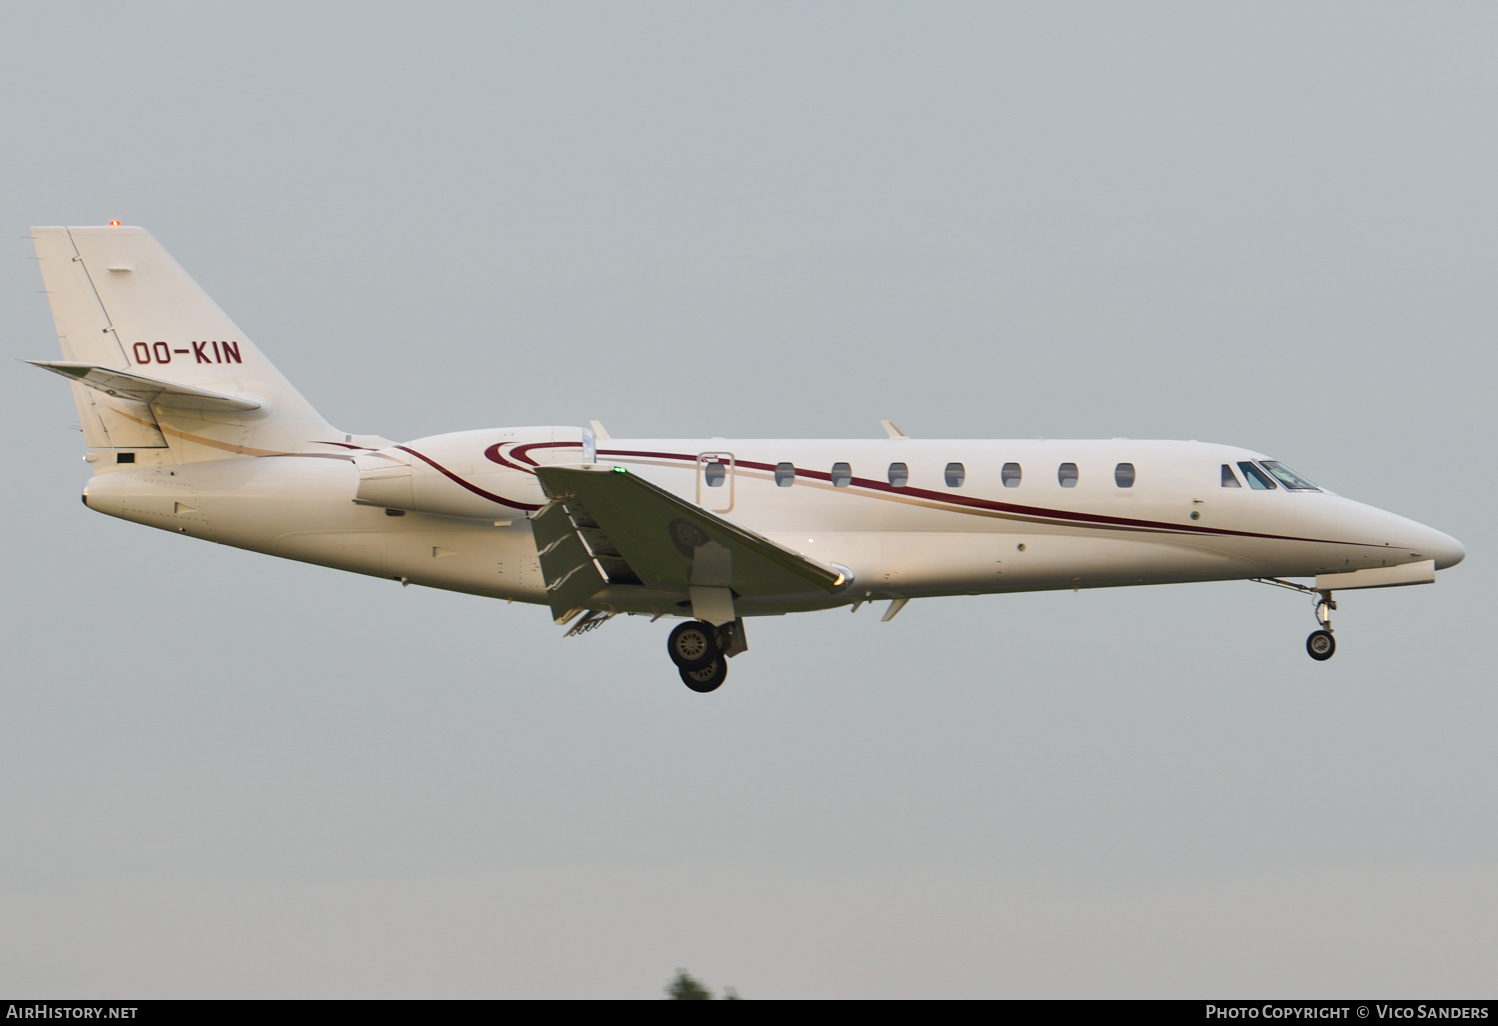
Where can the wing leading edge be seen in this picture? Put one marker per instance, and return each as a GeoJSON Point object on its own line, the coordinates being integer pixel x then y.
{"type": "Point", "coordinates": [606, 528]}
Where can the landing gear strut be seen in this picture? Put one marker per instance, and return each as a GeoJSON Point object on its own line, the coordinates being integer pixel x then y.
{"type": "Point", "coordinates": [701, 652]}
{"type": "Point", "coordinates": [1320, 646]}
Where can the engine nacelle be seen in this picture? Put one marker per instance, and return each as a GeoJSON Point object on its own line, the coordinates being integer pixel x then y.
{"type": "Point", "coordinates": [478, 475]}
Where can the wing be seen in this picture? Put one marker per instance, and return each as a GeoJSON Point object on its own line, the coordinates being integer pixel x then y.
{"type": "Point", "coordinates": [606, 527]}
{"type": "Point", "coordinates": [124, 385]}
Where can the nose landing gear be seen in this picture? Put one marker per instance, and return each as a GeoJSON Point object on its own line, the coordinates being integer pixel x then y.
{"type": "Point", "coordinates": [1321, 645]}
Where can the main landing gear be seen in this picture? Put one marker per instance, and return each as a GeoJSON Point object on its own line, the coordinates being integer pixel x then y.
{"type": "Point", "coordinates": [1321, 645]}
{"type": "Point", "coordinates": [701, 651]}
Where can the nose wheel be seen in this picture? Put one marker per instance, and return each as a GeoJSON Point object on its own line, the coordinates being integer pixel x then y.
{"type": "Point", "coordinates": [1321, 645]}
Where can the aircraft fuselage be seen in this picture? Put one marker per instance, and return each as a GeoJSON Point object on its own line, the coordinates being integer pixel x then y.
{"type": "Point", "coordinates": [961, 517]}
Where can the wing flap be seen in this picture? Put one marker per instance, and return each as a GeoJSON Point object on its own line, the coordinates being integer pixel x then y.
{"type": "Point", "coordinates": [152, 392]}
{"type": "Point", "coordinates": [572, 575]}
{"type": "Point", "coordinates": [671, 543]}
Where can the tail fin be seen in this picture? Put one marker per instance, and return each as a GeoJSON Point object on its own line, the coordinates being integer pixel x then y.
{"type": "Point", "coordinates": [123, 305]}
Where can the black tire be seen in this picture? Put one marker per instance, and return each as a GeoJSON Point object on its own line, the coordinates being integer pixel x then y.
{"type": "Point", "coordinates": [1321, 646]}
{"type": "Point", "coordinates": [693, 645]}
{"type": "Point", "coordinates": [708, 678]}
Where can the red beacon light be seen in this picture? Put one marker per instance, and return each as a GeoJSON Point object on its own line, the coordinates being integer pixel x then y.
{"type": "Point", "coordinates": [114, 224]}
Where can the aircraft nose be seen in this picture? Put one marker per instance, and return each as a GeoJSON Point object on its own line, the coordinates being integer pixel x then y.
{"type": "Point", "coordinates": [1446, 550]}
{"type": "Point", "coordinates": [1408, 539]}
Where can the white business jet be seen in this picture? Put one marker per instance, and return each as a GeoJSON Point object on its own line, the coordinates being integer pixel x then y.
{"type": "Point", "coordinates": [191, 429]}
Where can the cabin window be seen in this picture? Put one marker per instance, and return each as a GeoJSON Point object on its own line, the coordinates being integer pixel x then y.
{"type": "Point", "coordinates": [842, 475]}
{"type": "Point", "coordinates": [714, 473]}
{"type": "Point", "coordinates": [1256, 478]}
{"type": "Point", "coordinates": [1123, 475]}
{"type": "Point", "coordinates": [1287, 477]}
{"type": "Point", "coordinates": [1011, 475]}
{"type": "Point", "coordinates": [955, 475]}
{"type": "Point", "coordinates": [785, 475]}
{"type": "Point", "coordinates": [1230, 479]}
{"type": "Point", "coordinates": [1067, 475]}
{"type": "Point", "coordinates": [899, 475]}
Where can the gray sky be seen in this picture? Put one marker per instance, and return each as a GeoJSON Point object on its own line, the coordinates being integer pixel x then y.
{"type": "Point", "coordinates": [1272, 226]}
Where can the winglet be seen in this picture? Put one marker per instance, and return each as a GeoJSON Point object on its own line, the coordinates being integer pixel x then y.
{"type": "Point", "coordinates": [891, 430]}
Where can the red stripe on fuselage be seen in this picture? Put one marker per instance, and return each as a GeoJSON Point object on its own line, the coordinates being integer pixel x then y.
{"type": "Point", "coordinates": [475, 489]}
{"type": "Point", "coordinates": [519, 452]}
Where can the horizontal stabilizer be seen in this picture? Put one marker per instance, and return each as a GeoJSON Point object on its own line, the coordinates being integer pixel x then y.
{"type": "Point", "coordinates": [124, 385]}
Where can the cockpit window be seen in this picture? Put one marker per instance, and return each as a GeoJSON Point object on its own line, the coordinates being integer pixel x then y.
{"type": "Point", "coordinates": [1230, 479]}
{"type": "Point", "coordinates": [1257, 479]}
{"type": "Point", "coordinates": [1287, 477]}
